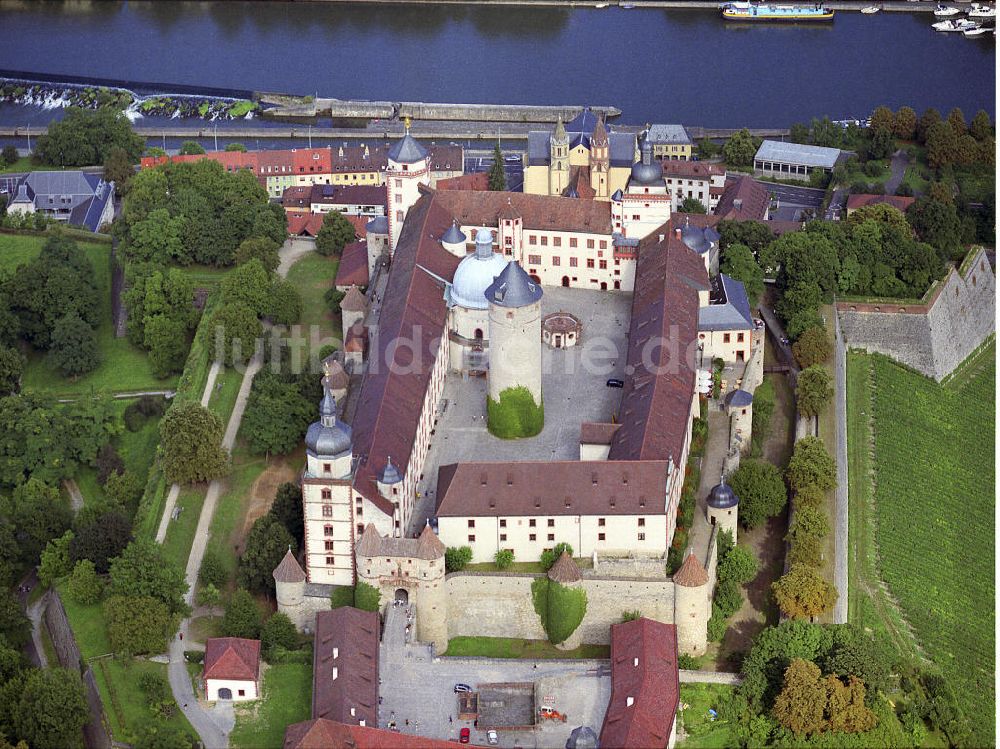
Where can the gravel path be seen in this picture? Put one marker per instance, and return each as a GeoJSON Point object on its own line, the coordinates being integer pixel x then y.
{"type": "Point", "coordinates": [840, 523]}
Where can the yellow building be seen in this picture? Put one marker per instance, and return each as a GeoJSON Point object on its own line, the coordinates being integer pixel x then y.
{"type": "Point", "coordinates": [670, 142]}
{"type": "Point", "coordinates": [583, 158]}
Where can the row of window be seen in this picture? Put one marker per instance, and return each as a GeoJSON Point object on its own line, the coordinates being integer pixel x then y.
{"type": "Point", "coordinates": [641, 536]}
{"type": "Point", "coordinates": [557, 242]}
{"type": "Point", "coordinates": [573, 262]}
{"type": "Point", "coordinates": [551, 522]}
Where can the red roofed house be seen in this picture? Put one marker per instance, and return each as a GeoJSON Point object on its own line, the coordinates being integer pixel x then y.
{"type": "Point", "coordinates": [645, 686]}
{"type": "Point", "coordinates": [901, 202]}
{"type": "Point", "coordinates": [232, 669]}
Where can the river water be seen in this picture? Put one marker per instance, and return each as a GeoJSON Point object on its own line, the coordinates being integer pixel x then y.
{"type": "Point", "coordinates": [656, 65]}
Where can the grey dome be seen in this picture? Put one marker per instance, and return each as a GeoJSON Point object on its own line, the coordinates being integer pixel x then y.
{"type": "Point", "coordinates": [390, 474]}
{"type": "Point", "coordinates": [695, 238]}
{"type": "Point", "coordinates": [454, 235]}
{"type": "Point", "coordinates": [475, 274]}
{"type": "Point", "coordinates": [722, 496]}
{"type": "Point", "coordinates": [644, 171]}
{"type": "Point", "coordinates": [407, 150]}
{"type": "Point", "coordinates": [739, 399]}
{"type": "Point", "coordinates": [513, 288]}
{"type": "Point", "coordinates": [329, 436]}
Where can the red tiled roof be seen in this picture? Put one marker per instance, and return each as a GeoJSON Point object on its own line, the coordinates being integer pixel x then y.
{"type": "Point", "coordinates": [643, 668]}
{"type": "Point", "coordinates": [691, 169]}
{"type": "Point", "coordinates": [414, 311]}
{"type": "Point", "coordinates": [232, 658]}
{"type": "Point", "coordinates": [296, 197]}
{"type": "Point", "coordinates": [581, 181]}
{"type": "Point", "coordinates": [304, 224]}
{"type": "Point", "coordinates": [353, 268]}
{"type": "Point", "coordinates": [692, 573]}
{"type": "Point", "coordinates": [656, 402]}
{"type": "Point", "coordinates": [902, 202]}
{"type": "Point", "coordinates": [597, 433]}
{"type": "Point", "coordinates": [354, 635]}
{"type": "Point", "coordinates": [476, 181]}
{"type": "Point", "coordinates": [347, 195]}
{"type": "Point", "coordinates": [537, 211]}
{"type": "Point", "coordinates": [311, 160]}
{"type": "Point", "coordinates": [328, 734]}
{"type": "Point", "coordinates": [744, 199]}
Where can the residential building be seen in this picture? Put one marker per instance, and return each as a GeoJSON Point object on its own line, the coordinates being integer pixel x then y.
{"type": "Point", "coordinates": [670, 142]}
{"type": "Point", "coordinates": [900, 202]}
{"type": "Point", "coordinates": [231, 669]}
{"type": "Point", "coordinates": [694, 179]}
{"type": "Point", "coordinates": [345, 666]}
{"type": "Point", "coordinates": [744, 199]}
{"type": "Point", "coordinates": [353, 200]}
{"type": "Point", "coordinates": [725, 323]}
{"type": "Point", "coordinates": [793, 160]}
{"type": "Point", "coordinates": [80, 199]}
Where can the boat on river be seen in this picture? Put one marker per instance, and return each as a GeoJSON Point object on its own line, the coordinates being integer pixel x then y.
{"type": "Point", "coordinates": [945, 11]}
{"type": "Point", "coordinates": [982, 11]}
{"type": "Point", "coordinates": [961, 24]}
{"type": "Point", "coordinates": [746, 11]}
{"type": "Point", "coordinates": [870, 10]}
{"type": "Point", "coordinates": [978, 31]}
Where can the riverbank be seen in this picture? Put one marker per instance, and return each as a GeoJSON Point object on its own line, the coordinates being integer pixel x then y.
{"type": "Point", "coordinates": [902, 6]}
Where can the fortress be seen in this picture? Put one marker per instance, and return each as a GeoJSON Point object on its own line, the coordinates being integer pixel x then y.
{"type": "Point", "coordinates": [469, 278]}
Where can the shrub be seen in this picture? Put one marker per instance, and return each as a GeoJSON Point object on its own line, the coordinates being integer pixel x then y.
{"type": "Point", "coordinates": [739, 566]}
{"type": "Point", "coordinates": [549, 557]}
{"type": "Point", "coordinates": [278, 632]}
{"type": "Point", "coordinates": [802, 593]}
{"type": "Point", "coordinates": [809, 521]}
{"type": "Point", "coordinates": [457, 557]}
{"type": "Point", "coordinates": [515, 415]}
{"type": "Point", "coordinates": [717, 625]}
{"type": "Point", "coordinates": [561, 608]}
{"type": "Point", "coordinates": [333, 298]}
{"type": "Point", "coordinates": [728, 597]}
{"type": "Point", "coordinates": [814, 390]}
{"type": "Point", "coordinates": [366, 597]}
{"type": "Point", "coordinates": [724, 544]}
{"type": "Point", "coordinates": [213, 569]}
{"type": "Point", "coordinates": [809, 496]}
{"type": "Point", "coordinates": [807, 551]}
{"type": "Point", "coordinates": [631, 616]}
{"type": "Point", "coordinates": [194, 656]}
{"type": "Point", "coordinates": [208, 595]}
{"type": "Point", "coordinates": [85, 587]}
{"type": "Point", "coordinates": [688, 662]}
{"type": "Point", "coordinates": [342, 595]}
{"type": "Point", "coordinates": [145, 407]}
{"type": "Point", "coordinates": [504, 558]}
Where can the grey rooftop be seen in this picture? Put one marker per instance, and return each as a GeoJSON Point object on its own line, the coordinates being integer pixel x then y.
{"type": "Point", "coordinates": [668, 134]}
{"type": "Point", "coordinates": [797, 153]}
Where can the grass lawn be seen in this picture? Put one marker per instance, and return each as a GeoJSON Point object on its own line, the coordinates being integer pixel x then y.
{"type": "Point", "coordinates": [231, 508]}
{"type": "Point", "coordinates": [287, 698]}
{"type": "Point", "coordinates": [123, 367]}
{"type": "Point", "coordinates": [204, 627]}
{"type": "Point", "coordinates": [205, 276]}
{"type": "Point", "coordinates": [922, 504]}
{"type": "Point", "coordinates": [223, 397]}
{"type": "Point", "coordinates": [23, 164]}
{"type": "Point", "coordinates": [180, 532]}
{"type": "Point", "coordinates": [702, 732]}
{"type": "Point", "coordinates": [512, 647]}
{"type": "Point", "coordinates": [313, 276]}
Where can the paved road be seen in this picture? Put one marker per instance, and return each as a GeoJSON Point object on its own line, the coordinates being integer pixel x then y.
{"type": "Point", "coordinates": [838, 205]}
{"type": "Point", "coordinates": [841, 524]}
{"type": "Point", "coordinates": [806, 197]}
{"type": "Point", "coordinates": [898, 165]}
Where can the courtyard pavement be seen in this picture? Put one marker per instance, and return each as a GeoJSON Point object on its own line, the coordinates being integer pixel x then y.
{"type": "Point", "coordinates": [417, 690]}
{"type": "Point", "coordinates": [574, 390]}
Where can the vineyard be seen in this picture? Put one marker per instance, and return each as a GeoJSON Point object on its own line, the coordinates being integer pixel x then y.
{"type": "Point", "coordinates": [933, 477]}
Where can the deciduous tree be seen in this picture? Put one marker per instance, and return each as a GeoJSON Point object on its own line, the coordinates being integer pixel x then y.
{"type": "Point", "coordinates": [73, 350]}
{"type": "Point", "coordinates": [739, 263]}
{"type": "Point", "coordinates": [118, 168]}
{"type": "Point", "coordinates": [286, 305]}
{"type": "Point", "coordinates": [235, 330]}
{"type": "Point", "coordinates": [335, 232]}
{"type": "Point", "coordinates": [144, 570]}
{"type": "Point", "coordinates": [930, 117]}
{"type": "Point", "coordinates": [86, 138]}
{"type": "Point", "coordinates": [800, 705]}
{"type": "Point", "coordinates": [242, 617]}
{"type": "Point", "coordinates": [812, 347]}
{"type": "Point", "coordinates": [249, 284]}
{"type": "Point", "coordinates": [803, 593]}
{"type": "Point", "coordinates": [761, 491]}
{"type": "Point", "coordinates": [266, 544]}
{"type": "Point", "coordinates": [904, 124]}
{"type": "Point", "coordinates": [137, 624]}
{"type": "Point", "coordinates": [692, 205]}
{"type": "Point", "coordinates": [287, 508]}
{"type": "Point", "coordinates": [191, 148]}
{"type": "Point", "coordinates": [457, 557]}
{"type": "Point", "coordinates": [56, 562]}
{"type": "Point", "coordinates": [11, 369]}
{"type": "Point", "coordinates": [85, 587]}
{"type": "Point", "coordinates": [278, 632]}
{"type": "Point", "coordinates": [814, 390]}
{"type": "Point", "coordinates": [8, 155]}
{"type": "Point", "coordinates": [191, 438]}
{"type": "Point", "coordinates": [264, 249]}
{"type": "Point", "coordinates": [981, 128]}
{"type": "Point", "coordinates": [956, 118]}
{"type": "Point", "coordinates": [739, 565]}
{"type": "Point", "coordinates": [52, 709]}
{"type": "Point", "coordinates": [811, 465]}
{"type": "Point", "coordinates": [102, 540]}
{"type": "Point", "coordinates": [740, 149]}
{"type": "Point", "coordinates": [39, 514]}
{"type": "Point", "coordinates": [277, 415]}
{"type": "Point", "coordinates": [882, 121]}
{"type": "Point", "coordinates": [166, 340]}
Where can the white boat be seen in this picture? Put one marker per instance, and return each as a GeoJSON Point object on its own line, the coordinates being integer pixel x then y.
{"type": "Point", "coordinates": [601, 5]}
{"type": "Point", "coordinates": [978, 31]}
{"type": "Point", "coordinates": [944, 11]}
{"type": "Point", "coordinates": [954, 25]}
{"type": "Point", "coordinates": [982, 11]}
{"type": "Point", "coordinates": [870, 10]}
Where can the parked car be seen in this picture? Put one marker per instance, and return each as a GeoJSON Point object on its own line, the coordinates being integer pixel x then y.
{"type": "Point", "coordinates": [615, 383]}
{"type": "Point", "coordinates": [463, 736]}
{"type": "Point", "coordinates": [492, 738]}
{"type": "Point", "coordinates": [462, 688]}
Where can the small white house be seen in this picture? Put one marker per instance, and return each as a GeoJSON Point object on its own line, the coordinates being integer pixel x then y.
{"type": "Point", "coordinates": [232, 669]}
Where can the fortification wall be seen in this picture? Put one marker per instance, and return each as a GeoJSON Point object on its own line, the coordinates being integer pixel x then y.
{"type": "Point", "coordinates": [934, 336]}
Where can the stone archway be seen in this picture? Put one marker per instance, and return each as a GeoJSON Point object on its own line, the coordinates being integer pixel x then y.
{"type": "Point", "coordinates": [565, 281]}
{"type": "Point", "coordinates": [225, 693]}
{"type": "Point", "coordinates": [402, 596]}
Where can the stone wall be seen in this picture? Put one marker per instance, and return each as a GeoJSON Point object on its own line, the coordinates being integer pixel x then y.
{"type": "Point", "coordinates": [937, 334]}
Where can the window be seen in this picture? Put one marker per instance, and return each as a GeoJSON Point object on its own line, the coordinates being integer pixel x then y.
{"type": "Point", "coordinates": [604, 244]}
{"type": "Point", "coordinates": [531, 536]}
{"type": "Point", "coordinates": [552, 537]}
{"type": "Point", "coordinates": [532, 239]}
{"type": "Point", "coordinates": [503, 536]}
{"type": "Point", "coordinates": [600, 536]}
{"type": "Point", "coordinates": [590, 244]}
{"type": "Point", "coordinates": [328, 545]}
{"type": "Point", "coordinates": [361, 528]}
{"type": "Point", "coordinates": [472, 523]}
{"type": "Point", "coordinates": [572, 262]}
{"type": "Point", "coordinates": [555, 261]}
{"type": "Point", "coordinates": [399, 198]}
{"type": "Point", "coordinates": [725, 337]}
{"type": "Point", "coordinates": [534, 259]}
{"type": "Point", "coordinates": [642, 536]}
{"type": "Point", "coordinates": [399, 215]}
{"type": "Point", "coordinates": [642, 522]}
{"type": "Point", "coordinates": [241, 692]}
{"type": "Point", "coordinates": [503, 523]}
{"type": "Point", "coordinates": [572, 241]}
{"type": "Point", "coordinates": [590, 262]}
{"type": "Point", "coordinates": [399, 183]}
{"type": "Point", "coordinates": [359, 511]}
{"type": "Point", "coordinates": [472, 538]}
{"type": "Point", "coordinates": [551, 523]}
{"type": "Point", "coordinates": [329, 561]}
{"type": "Point", "coordinates": [328, 510]}
{"type": "Point", "coordinates": [601, 522]}
{"type": "Point", "coordinates": [557, 241]}
{"type": "Point", "coordinates": [326, 468]}
{"type": "Point", "coordinates": [739, 338]}
{"type": "Point", "coordinates": [326, 493]}
{"type": "Point", "coordinates": [327, 530]}
{"type": "Point", "coordinates": [604, 265]}
{"type": "Point", "coordinates": [531, 523]}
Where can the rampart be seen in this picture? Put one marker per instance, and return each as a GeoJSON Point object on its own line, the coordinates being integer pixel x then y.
{"type": "Point", "coordinates": [935, 334]}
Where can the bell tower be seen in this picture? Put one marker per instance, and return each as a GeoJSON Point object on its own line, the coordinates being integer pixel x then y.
{"type": "Point", "coordinates": [558, 159]}
{"type": "Point", "coordinates": [600, 159]}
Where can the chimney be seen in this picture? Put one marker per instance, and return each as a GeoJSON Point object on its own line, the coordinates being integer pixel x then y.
{"type": "Point", "coordinates": [677, 232]}
{"type": "Point", "coordinates": [662, 237]}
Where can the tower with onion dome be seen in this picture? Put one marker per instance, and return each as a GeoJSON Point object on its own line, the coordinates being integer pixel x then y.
{"type": "Point", "coordinates": [468, 308]}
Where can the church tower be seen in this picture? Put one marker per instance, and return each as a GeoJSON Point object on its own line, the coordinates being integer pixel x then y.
{"type": "Point", "coordinates": [408, 167]}
{"type": "Point", "coordinates": [600, 159]}
{"type": "Point", "coordinates": [558, 160]}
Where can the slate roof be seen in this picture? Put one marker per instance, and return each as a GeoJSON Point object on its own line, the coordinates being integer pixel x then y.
{"type": "Point", "coordinates": [798, 153]}
{"type": "Point", "coordinates": [407, 150]}
{"type": "Point", "coordinates": [739, 399]}
{"type": "Point", "coordinates": [353, 267]}
{"type": "Point", "coordinates": [83, 195]}
{"type": "Point", "coordinates": [744, 199]}
{"type": "Point", "coordinates": [674, 134]}
{"type": "Point", "coordinates": [354, 635]}
{"type": "Point", "coordinates": [656, 402]}
{"type": "Point", "coordinates": [643, 669]}
{"type": "Point", "coordinates": [513, 288]}
{"type": "Point", "coordinates": [621, 146]}
{"type": "Point", "coordinates": [729, 308]}
{"type": "Point", "coordinates": [378, 225]}
{"type": "Point", "coordinates": [289, 570]}
{"type": "Point", "coordinates": [427, 546]}
{"type": "Point", "coordinates": [233, 658]}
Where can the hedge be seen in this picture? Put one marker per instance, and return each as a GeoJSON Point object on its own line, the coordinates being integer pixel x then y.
{"type": "Point", "coordinates": [560, 608]}
{"type": "Point", "coordinates": [516, 415]}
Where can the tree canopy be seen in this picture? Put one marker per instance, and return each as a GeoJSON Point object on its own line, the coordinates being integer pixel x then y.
{"type": "Point", "coordinates": [803, 593]}
{"type": "Point", "coordinates": [242, 617]}
{"type": "Point", "coordinates": [277, 415]}
{"type": "Point", "coordinates": [813, 390]}
{"type": "Point", "coordinates": [498, 176]}
{"type": "Point", "coordinates": [761, 491]}
{"type": "Point", "coordinates": [812, 347]}
{"type": "Point", "coordinates": [191, 438]}
{"type": "Point", "coordinates": [811, 465]}
{"type": "Point", "coordinates": [144, 570]}
{"type": "Point", "coordinates": [740, 149]}
{"type": "Point", "coordinates": [738, 262]}
{"type": "Point", "coordinates": [87, 138]}
{"type": "Point", "coordinates": [334, 234]}
{"type": "Point", "coordinates": [266, 544]}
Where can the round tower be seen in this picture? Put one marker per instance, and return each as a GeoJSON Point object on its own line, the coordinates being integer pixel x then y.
{"type": "Point", "coordinates": [566, 573]}
{"type": "Point", "coordinates": [515, 307]}
{"type": "Point", "coordinates": [432, 598]}
{"type": "Point", "coordinates": [389, 481]}
{"type": "Point", "coordinates": [290, 588]}
{"type": "Point", "coordinates": [722, 507]}
{"type": "Point", "coordinates": [328, 442]}
{"type": "Point", "coordinates": [692, 606]}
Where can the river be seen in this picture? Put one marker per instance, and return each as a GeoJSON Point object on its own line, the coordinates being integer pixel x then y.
{"type": "Point", "coordinates": [673, 65]}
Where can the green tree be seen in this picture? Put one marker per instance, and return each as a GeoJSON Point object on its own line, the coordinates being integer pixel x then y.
{"type": "Point", "coordinates": [708, 149]}
{"type": "Point", "coordinates": [366, 597]}
{"type": "Point", "coordinates": [561, 608]}
{"type": "Point", "coordinates": [102, 539]}
{"type": "Point", "coordinates": [739, 263]}
{"type": "Point", "coordinates": [504, 558]}
{"type": "Point", "coordinates": [740, 149]}
{"type": "Point", "coordinates": [761, 491]}
{"type": "Point", "coordinates": [549, 557]}
{"type": "Point", "coordinates": [809, 521]}
{"type": "Point", "coordinates": [800, 706]}
{"type": "Point", "coordinates": [285, 307]}
{"type": "Point", "coordinates": [814, 390]}
{"type": "Point", "coordinates": [981, 128]}
{"type": "Point", "coordinates": [153, 293]}
{"type": "Point", "coordinates": [692, 205]}
{"type": "Point", "coordinates": [160, 735]}
{"type": "Point", "coordinates": [242, 617]}
{"type": "Point", "coordinates": [277, 415]}
{"type": "Point", "coordinates": [39, 514]}
{"type": "Point", "coordinates": [845, 706]}
{"type": "Point", "coordinates": [956, 118]}
{"type": "Point", "coordinates": [266, 544]}
{"type": "Point", "coordinates": [937, 223]}
{"type": "Point", "coordinates": [235, 332]}
{"type": "Point", "coordinates": [236, 147]}
{"type": "Point", "coordinates": [335, 232]}
{"type": "Point", "coordinates": [498, 176]}
{"type": "Point", "coordinates": [263, 249]}
{"type": "Point", "coordinates": [87, 138]}
{"type": "Point", "coordinates": [52, 709]}
{"type": "Point", "coordinates": [73, 350]}
{"type": "Point", "coordinates": [11, 369]}
{"type": "Point", "coordinates": [457, 557]}
{"type": "Point", "coordinates": [930, 117]}
{"type": "Point", "coordinates": [249, 284]}
{"type": "Point", "coordinates": [811, 465]}
{"type": "Point", "coordinates": [278, 632]}
{"type": "Point", "coordinates": [855, 652]}
{"type": "Point", "coordinates": [287, 508]}
{"type": "Point", "coordinates": [9, 155]}
{"type": "Point", "coordinates": [166, 340]}
{"type": "Point", "coordinates": [812, 347]}
{"type": "Point", "coordinates": [56, 562]}
{"type": "Point", "coordinates": [754, 234]}
{"type": "Point", "coordinates": [191, 439]}
{"type": "Point", "coordinates": [803, 593]}
{"type": "Point", "coordinates": [904, 125]}
{"type": "Point", "coordinates": [213, 569]}
{"type": "Point", "coordinates": [882, 121]}
{"type": "Point", "coordinates": [191, 148]}
{"type": "Point", "coordinates": [124, 489]}
{"type": "Point", "coordinates": [739, 566]}
{"type": "Point", "coordinates": [85, 587]}
{"type": "Point", "coordinates": [942, 145]}
{"type": "Point", "coordinates": [118, 168]}
{"type": "Point", "coordinates": [157, 239]}
{"type": "Point", "coordinates": [137, 625]}
{"type": "Point", "coordinates": [144, 570]}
